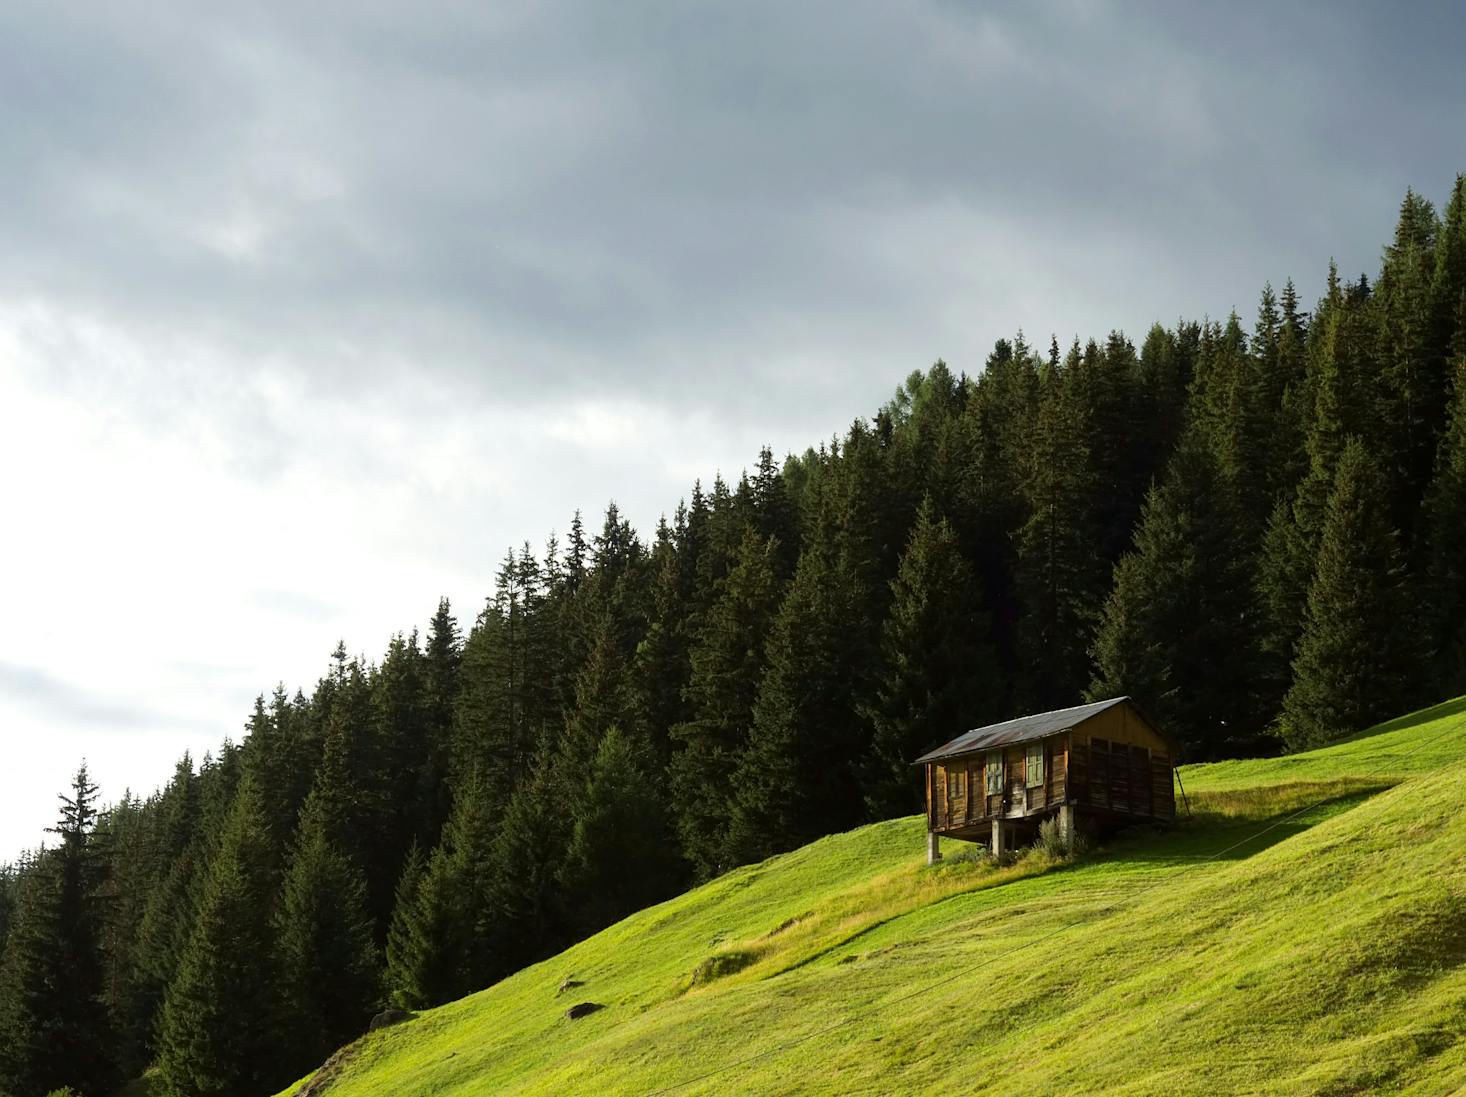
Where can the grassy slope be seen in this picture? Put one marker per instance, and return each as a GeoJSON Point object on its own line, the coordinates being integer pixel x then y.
{"type": "Point", "coordinates": [1327, 955]}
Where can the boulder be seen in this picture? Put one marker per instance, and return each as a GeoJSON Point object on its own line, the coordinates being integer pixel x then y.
{"type": "Point", "coordinates": [582, 1009]}
{"type": "Point", "coordinates": [390, 1017]}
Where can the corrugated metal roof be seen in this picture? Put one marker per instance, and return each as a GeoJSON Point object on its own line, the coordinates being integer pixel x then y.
{"type": "Point", "coordinates": [1020, 730]}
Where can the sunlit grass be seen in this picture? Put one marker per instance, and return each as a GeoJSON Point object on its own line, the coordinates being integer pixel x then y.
{"type": "Point", "coordinates": [1303, 932]}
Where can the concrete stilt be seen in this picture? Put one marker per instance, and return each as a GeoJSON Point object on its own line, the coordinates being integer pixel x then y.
{"type": "Point", "coordinates": [1066, 823]}
{"type": "Point", "coordinates": [998, 847]}
{"type": "Point", "coordinates": [933, 847]}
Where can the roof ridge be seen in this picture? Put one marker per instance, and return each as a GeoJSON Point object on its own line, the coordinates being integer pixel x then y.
{"type": "Point", "coordinates": [1056, 711]}
{"type": "Point", "coordinates": [1039, 724]}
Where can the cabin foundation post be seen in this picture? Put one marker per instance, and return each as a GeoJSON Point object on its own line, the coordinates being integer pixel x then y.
{"type": "Point", "coordinates": [933, 847]}
{"type": "Point", "coordinates": [1066, 823]}
{"type": "Point", "coordinates": [998, 848]}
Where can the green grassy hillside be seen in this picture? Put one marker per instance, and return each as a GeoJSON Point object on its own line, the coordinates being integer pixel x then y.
{"type": "Point", "coordinates": [1324, 952]}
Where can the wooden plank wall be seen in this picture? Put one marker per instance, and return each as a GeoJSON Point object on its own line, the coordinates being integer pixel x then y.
{"type": "Point", "coordinates": [946, 812]}
{"type": "Point", "coordinates": [1125, 778]}
{"type": "Point", "coordinates": [1114, 763]}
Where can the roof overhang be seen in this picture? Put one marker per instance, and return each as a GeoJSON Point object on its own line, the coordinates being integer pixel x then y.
{"type": "Point", "coordinates": [1025, 729]}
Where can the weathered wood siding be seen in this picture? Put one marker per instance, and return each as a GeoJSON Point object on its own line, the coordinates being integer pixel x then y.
{"type": "Point", "coordinates": [1115, 763]}
{"type": "Point", "coordinates": [1122, 765]}
{"type": "Point", "coordinates": [966, 801]}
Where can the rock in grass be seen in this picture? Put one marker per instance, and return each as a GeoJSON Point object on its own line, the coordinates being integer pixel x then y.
{"type": "Point", "coordinates": [582, 1009]}
{"type": "Point", "coordinates": [570, 984]}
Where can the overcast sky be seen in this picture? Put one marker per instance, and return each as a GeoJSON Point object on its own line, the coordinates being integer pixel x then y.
{"type": "Point", "coordinates": [308, 311]}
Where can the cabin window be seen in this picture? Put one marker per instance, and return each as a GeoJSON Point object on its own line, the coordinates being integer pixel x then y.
{"type": "Point", "coordinates": [956, 784]}
{"type": "Point", "coordinates": [1035, 765]}
{"type": "Point", "coordinates": [995, 772]}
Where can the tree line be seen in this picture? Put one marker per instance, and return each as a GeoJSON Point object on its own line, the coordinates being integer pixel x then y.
{"type": "Point", "coordinates": [1258, 533]}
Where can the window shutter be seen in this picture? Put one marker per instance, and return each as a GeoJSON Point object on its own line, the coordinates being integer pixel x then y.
{"type": "Point", "coordinates": [1035, 765]}
{"type": "Point", "coordinates": [995, 772]}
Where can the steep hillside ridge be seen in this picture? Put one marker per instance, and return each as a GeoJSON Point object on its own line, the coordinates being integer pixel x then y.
{"type": "Point", "coordinates": [1325, 954]}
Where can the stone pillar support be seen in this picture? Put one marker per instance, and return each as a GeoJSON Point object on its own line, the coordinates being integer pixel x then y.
{"type": "Point", "coordinates": [998, 847]}
{"type": "Point", "coordinates": [1066, 823]}
{"type": "Point", "coordinates": [933, 847]}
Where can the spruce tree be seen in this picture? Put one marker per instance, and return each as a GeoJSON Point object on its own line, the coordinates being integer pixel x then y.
{"type": "Point", "coordinates": [486, 735]}
{"type": "Point", "coordinates": [1411, 379]}
{"type": "Point", "coordinates": [619, 857]}
{"type": "Point", "coordinates": [405, 748]}
{"type": "Point", "coordinates": [1337, 380]}
{"type": "Point", "coordinates": [54, 1028]}
{"type": "Point", "coordinates": [529, 843]}
{"type": "Point", "coordinates": [774, 514]}
{"type": "Point", "coordinates": [660, 667]}
{"type": "Point", "coordinates": [441, 944]}
{"type": "Point", "coordinates": [1290, 460]}
{"type": "Point", "coordinates": [8, 882]}
{"type": "Point", "coordinates": [221, 1026]}
{"type": "Point", "coordinates": [442, 659]}
{"type": "Point", "coordinates": [1355, 656]}
{"type": "Point", "coordinates": [603, 697]}
{"type": "Point", "coordinates": [1167, 362]}
{"type": "Point", "coordinates": [125, 839]}
{"type": "Point", "coordinates": [1060, 576]}
{"type": "Point", "coordinates": [939, 675]}
{"type": "Point", "coordinates": [168, 910]}
{"type": "Point", "coordinates": [797, 777]}
{"type": "Point", "coordinates": [727, 665]}
{"type": "Point", "coordinates": [511, 684]}
{"type": "Point", "coordinates": [1180, 598]}
{"type": "Point", "coordinates": [430, 936]}
{"type": "Point", "coordinates": [1107, 386]}
{"type": "Point", "coordinates": [1448, 283]}
{"type": "Point", "coordinates": [354, 786]}
{"type": "Point", "coordinates": [401, 943]}
{"type": "Point", "coordinates": [1236, 405]}
{"type": "Point", "coordinates": [1442, 553]}
{"type": "Point", "coordinates": [283, 764]}
{"type": "Point", "coordinates": [328, 959]}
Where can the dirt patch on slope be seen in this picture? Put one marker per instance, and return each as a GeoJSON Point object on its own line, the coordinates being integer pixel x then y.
{"type": "Point", "coordinates": [319, 1082]}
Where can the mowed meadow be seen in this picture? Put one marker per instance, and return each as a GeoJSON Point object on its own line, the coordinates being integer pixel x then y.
{"type": "Point", "coordinates": [1303, 932]}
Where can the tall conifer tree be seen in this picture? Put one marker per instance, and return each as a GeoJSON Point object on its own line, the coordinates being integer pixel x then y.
{"type": "Point", "coordinates": [1061, 577]}
{"type": "Point", "coordinates": [529, 843]}
{"type": "Point", "coordinates": [1355, 656]}
{"type": "Point", "coordinates": [1411, 379]}
{"type": "Point", "coordinates": [1180, 598]}
{"type": "Point", "coordinates": [328, 959]}
{"type": "Point", "coordinates": [1338, 386]}
{"type": "Point", "coordinates": [221, 1027]}
{"type": "Point", "coordinates": [797, 778]}
{"type": "Point", "coordinates": [167, 916]}
{"type": "Point", "coordinates": [619, 858]}
{"type": "Point", "coordinates": [1442, 554]}
{"type": "Point", "coordinates": [727, 666]}
{"type": "Point", "coordinates": [441, 941]}
{"type": "Point", "coordinates": [54, 1028]}
{"type": "Point", "coordinates": [939, 673]}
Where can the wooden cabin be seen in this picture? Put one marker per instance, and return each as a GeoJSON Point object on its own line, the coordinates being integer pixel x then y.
{"type": "Point", "coordinates": [1100, 764]}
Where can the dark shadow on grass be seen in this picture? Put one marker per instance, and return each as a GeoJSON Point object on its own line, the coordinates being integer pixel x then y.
{"type": "Point", "coordinates": [1189, 842]}
{"type": "Point", "coordinates": [1220, 838]}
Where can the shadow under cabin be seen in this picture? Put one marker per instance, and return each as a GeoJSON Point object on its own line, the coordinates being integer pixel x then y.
{"type": "Point", "coordinates": [1092, 767]}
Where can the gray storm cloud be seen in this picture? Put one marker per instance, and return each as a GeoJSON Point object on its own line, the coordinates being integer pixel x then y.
{"type": "Point", "coordinates": [516, 197]}
{"type": "Point", "coordinates": [308, 311]}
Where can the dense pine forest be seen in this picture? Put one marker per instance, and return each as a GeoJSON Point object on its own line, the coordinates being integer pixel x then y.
{"type": "Point", "coordinates": [1257, 529]}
